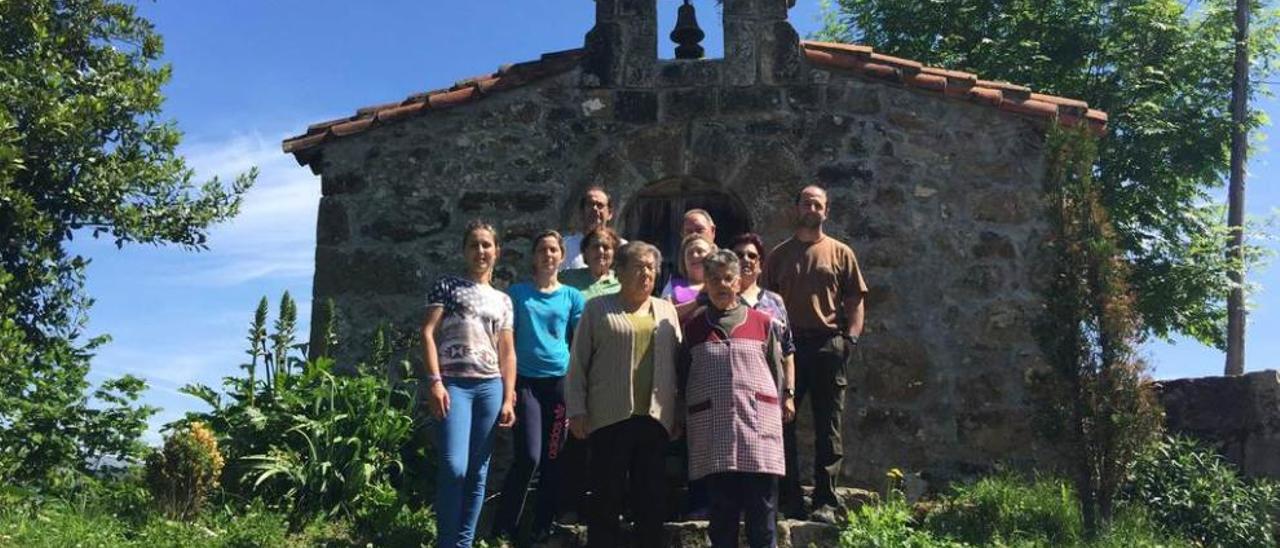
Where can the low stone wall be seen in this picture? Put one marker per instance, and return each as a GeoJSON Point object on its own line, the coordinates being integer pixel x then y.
{"type": "Point", "coordinates": [1240, 416]}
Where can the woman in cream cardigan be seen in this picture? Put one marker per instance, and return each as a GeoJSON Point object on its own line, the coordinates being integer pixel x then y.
{"type": "Point", "coordinates": [623, 396]}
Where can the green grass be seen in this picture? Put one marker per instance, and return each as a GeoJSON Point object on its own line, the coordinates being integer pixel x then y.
{"type": "Point", "coordinates": [1001, 511]}
{"type": "Point", "coordinates": [1004, 509]}
{"type": "Point", "coordinates": [116, 518]}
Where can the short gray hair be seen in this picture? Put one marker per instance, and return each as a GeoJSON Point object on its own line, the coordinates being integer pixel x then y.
{"type": "Point", "coordinates": [720, 260]}
{"type": "Point", "coordinates": [632, 251]}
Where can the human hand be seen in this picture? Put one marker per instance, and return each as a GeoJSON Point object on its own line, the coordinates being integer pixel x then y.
{"type": "Point", "coordinates": [507, 415]}
{"type": "Point", "coordinates": [578, 426]}
{"type": "Point", "coordinates": [438, 400]}
{"type": "Point", "coordinates": [788, 410]}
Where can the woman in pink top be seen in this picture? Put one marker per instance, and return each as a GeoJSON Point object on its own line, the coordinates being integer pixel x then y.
{"type": "Point", "coordinates": [684, 288]}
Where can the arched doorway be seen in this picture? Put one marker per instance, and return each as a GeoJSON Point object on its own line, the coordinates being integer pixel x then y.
{"type": "Point", "coordinates": [656, 214]}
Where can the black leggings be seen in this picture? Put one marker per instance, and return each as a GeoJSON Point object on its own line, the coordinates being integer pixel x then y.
{"type": "Point", "coordinates": [540, 431]}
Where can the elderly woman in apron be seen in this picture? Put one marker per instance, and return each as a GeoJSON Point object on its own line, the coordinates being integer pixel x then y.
{"type": "Point", "coordinates": [731, 366]}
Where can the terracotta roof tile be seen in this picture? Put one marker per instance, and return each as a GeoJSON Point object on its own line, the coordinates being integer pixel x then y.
{"type": "Point", "coordinates": [489, 84]}
{"type": "Point", "coordinates": [396, 113]}
{"type": "Point", "coordinates": [883, 71]}
{"type": "Point", "coordinates": [853, 58]}
{"type": "Point", "coordinates": [990, 96]}
{"type": "Point", "coordinates": [931, 82]}
{"type": "Point", "coordinates": [835, 47]}
{"type": "Point", "coordinates": [373, 109]}
{"type": "Point", "coordinates": [898, 62]}
{"type": "Point", "coordinates": [452, 98]}
{"type": "Point", "coordinates": [347, 128]}
{"type": "Point", "coordinates": [952, 74]}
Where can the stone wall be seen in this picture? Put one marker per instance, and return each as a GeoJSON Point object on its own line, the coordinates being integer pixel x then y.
{"type": "Point", "coordinates": [939, 197]}
{"type": "Point", "coordinates": [1239, 416]}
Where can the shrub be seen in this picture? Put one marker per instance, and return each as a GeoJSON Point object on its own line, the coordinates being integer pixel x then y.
{"type": "Point", "coordinates": [311, 436]}
{"type": "Point", "coordinates": [1192, 491]}
{"type": "Point", "coordinates": [397, 524]}
{"type": "Point", "coordinates": [886, 525]}
{"type": "Point", "coordinates": [1133, 527]}
{"type": "Point", "coordinates": [257, 526]}
{"type": "Point", "coordinates": [181, 474]}
{"type": "Point", "coordinates": [1008, 509]}
{"type": "Point", "coordinates": [340, 449]}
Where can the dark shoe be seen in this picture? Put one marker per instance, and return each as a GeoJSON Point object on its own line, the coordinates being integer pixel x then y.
{"type": "Point", "coordinates": [570, 517]}
{"type": "Point", "coordinates": [793, 509]}
{"type": "Point", "coordinates": [698, 514]}
{"type": "Point", "coordinates": [825, 514]}
{"type": "Point", "coordinates": [540, 536]}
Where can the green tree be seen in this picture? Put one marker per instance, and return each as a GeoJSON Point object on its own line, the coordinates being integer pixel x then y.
{"type": "Point", "coordinates": [83, 151]}
{"type": "Point", "coordinates": [1095, 398]}
{"type": "Point", "coordinates": [1161, 70]}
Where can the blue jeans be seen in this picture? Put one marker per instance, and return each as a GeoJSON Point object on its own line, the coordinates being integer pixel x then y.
{"type": "Point", "coordinates": [466, 441]}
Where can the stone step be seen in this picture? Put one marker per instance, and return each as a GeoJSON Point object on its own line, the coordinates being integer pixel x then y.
{"type": "Point", "coordinates": [693, 534]}
{"type": "Point", "coordinates": [851, 498]}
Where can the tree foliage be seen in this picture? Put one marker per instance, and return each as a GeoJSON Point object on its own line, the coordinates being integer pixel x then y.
{"type": "Point", "coordinates": [49, 422]}
{"type": "Point", "coordinates": [1161, 70]}
{"type": "Point", "coordinates": [83, 150]}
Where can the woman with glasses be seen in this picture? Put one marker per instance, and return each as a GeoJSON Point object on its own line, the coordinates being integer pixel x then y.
{"type": "Point", "coordinates": [597, 278]}
{"type": "Point", "coordinates": [751, 252]}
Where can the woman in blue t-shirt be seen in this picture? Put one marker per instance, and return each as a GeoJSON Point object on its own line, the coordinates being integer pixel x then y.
{"type": "Point", "coordinates": [546, 314]}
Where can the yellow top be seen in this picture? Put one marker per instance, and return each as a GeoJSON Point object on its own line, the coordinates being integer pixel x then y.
{"type": "Point", "coordinates": [643, 326]}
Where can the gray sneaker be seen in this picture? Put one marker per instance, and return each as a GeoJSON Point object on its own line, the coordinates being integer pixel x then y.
{"type": "Point", "coordinates": [825, 514]}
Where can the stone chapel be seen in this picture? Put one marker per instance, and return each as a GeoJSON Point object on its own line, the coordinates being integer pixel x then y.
{"type": "Point", "coordinates": [935, 179]}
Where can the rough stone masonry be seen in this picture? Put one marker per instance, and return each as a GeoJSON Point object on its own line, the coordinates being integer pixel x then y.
{"type": "Point", "coordinates": [934, 178]}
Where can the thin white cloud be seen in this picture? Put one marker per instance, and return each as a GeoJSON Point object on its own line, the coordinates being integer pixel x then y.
{"type": "Point", "coordinates": [171, 365]}
{"type": "Point", "coordinates": [274, 234]}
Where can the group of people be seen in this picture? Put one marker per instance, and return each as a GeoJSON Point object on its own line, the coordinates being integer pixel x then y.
{"type": "Point", "coordinates": [597, 374]}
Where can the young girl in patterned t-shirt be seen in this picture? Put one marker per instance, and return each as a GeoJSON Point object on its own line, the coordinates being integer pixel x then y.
{"type": "Point", "coordinates": [469, 355]}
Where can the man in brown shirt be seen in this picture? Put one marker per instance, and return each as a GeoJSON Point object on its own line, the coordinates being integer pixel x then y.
{"type": "Point", "coordinates": [822, 286]}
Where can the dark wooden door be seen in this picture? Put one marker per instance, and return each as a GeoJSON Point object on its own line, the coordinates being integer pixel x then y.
{"type": "Point", "coordinates": [656, 215]}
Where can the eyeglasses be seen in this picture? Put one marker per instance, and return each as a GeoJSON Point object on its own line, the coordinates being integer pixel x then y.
{"type": "Point", "coordinates": [747, 255]}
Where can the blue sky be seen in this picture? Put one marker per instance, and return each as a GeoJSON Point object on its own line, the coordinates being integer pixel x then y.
{"type": "Point", "coordinates": [249, 73]}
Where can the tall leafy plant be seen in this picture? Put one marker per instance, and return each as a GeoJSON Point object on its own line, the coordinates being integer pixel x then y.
{"type": "Point", "coordinates": [282, 339]}
{"type": "Point", "coordinates": [315, 437]}
{"type": "Point", "coordinates": [257, 350]}
{"type": "Point", "coordinates": [1097, 406]}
